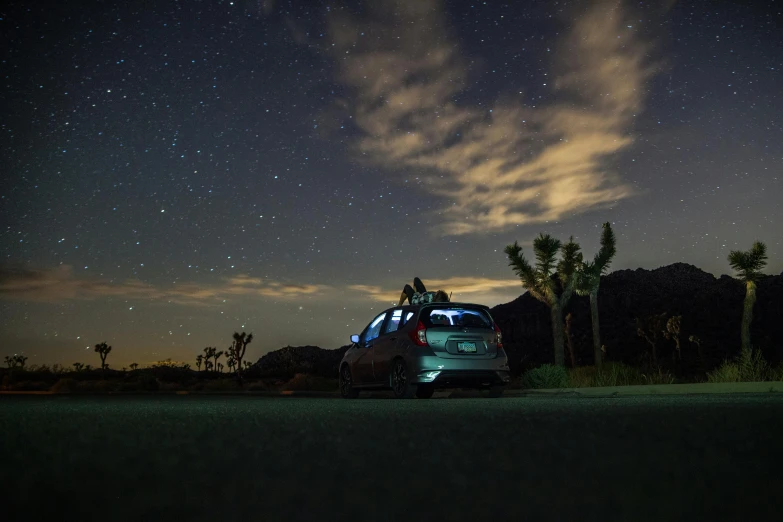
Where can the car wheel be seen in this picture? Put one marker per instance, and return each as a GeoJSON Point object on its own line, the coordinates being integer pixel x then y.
{"type": "Point", "coordinates": [496, 391]}
{"type": "Point", "coordinates": [424, 391]}
{"type": "Point", "coordinates": [400, 381]}
{"type": "Point", "coordinates": [346, 383]}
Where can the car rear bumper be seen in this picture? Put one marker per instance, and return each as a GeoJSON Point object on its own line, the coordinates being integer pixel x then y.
{"type": "Point", "coordinates": [457, 373]}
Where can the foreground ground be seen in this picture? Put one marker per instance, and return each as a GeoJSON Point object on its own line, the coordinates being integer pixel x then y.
{"type": "Point", "coordinates": [247, 458]}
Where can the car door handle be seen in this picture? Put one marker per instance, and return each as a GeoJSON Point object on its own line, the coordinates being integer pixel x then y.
{"type": "Point", "coordinates": [392, 338]}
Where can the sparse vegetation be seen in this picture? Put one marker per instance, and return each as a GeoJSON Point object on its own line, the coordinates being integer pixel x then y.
{"type": "Point", "coordinates": [545, 376]}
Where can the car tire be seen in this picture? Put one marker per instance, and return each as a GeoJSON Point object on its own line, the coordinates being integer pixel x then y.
{"type": "Point", "coordinates": [400, 381]}
{"type": "Point", "coordinates": [424, 391]}
{"type": "Point", "coordinates": [496, 391]}
{"type": "Point", "coordinates": [346, 383]}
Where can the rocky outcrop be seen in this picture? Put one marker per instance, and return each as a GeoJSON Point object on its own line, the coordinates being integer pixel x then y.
{"type": "Point", "coordinates": [711, 309]}
{"type": "Point", "coordinates": [312, 360]}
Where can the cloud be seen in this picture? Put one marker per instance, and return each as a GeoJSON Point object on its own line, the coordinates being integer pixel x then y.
{"type": "Point", "coordinates": [512, 165]}
{"type": "Point", "coordinates": [60, 284]}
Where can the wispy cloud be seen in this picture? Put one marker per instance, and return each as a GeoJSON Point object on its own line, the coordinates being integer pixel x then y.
{"type": "Point", "coordinates": [516, 164]}
{"type": "Point", "coordinates": [59, 284]}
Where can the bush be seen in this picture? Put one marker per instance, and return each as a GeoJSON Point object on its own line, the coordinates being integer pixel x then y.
{"type": "Point", "coordinates": [658, 376]}
{"type": "Point", "coordinates": [581, 377]}
{"type": "Point", "coordinates": [749, 367]}
{"type": "Point", "coordinates": [545, 376]}
{"type": "Point", "coordinates": [617, 374]}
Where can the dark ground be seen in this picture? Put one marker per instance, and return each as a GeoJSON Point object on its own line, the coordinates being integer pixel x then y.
{"type": "Point", "coordinates": [188, 458]}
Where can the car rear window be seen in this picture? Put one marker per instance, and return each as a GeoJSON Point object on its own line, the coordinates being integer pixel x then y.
{"type": "Point", "coordinates": [458, 317]}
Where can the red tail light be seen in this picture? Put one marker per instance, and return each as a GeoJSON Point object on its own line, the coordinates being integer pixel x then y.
{"type": "Point", "coordinates": [498, 338]}
{"type": "Point", "coordinates": [419, 335]}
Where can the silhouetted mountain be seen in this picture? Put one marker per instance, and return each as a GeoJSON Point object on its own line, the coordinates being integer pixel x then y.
{"type": "Point", "coordinates": [711, 309]}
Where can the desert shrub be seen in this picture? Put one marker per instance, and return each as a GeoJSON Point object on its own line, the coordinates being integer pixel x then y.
{"type": "Point", "coordinates": [658, 376]}
{"type": "Point", "coordinates": [617, 374]}
{"type": "Point", "coordinates": [581, 377]}
{"type": "Point", "coordinates": [750, 366]}
{"type": "Point", "coordinates": [726, 372]}
{"type": "Point", "coordinates": [545, 376]}
{"type": "Point", "coordinates": [65, 385]}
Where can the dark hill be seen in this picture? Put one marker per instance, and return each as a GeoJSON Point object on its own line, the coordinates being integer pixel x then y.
{"type": "Point", "coordinates": [711, 309]}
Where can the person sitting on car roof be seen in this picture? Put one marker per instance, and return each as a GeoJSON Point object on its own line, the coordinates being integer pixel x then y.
{"type": "Point", "coordinates": [420, 295]}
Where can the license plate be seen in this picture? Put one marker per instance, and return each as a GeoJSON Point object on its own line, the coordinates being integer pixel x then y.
{"type": "Point", "coordinates": [466, 347]}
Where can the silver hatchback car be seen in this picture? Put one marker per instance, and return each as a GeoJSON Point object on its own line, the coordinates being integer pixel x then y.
{"type": "Point", "coordinates": [416, 349]}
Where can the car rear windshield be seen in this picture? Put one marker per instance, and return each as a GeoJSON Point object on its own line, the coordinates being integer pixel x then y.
{"type": "Point", "coordinates": [456, 316]}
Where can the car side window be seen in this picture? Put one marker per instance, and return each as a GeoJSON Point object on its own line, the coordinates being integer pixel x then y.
{"type": "Point", "coordinates": [394, 322]}
{"type": "Point", "coordinates": [406, 318]}
{"type": "Point", "coordinates": [374, 329]}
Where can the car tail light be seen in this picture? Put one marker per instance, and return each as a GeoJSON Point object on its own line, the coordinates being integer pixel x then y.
{"type": "Point", "coordinates": [498, 338]}
{"type": "Point", "coordinates": [419, 335]}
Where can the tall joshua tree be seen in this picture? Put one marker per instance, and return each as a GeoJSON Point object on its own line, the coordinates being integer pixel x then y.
{"type": "Point", "coordinates": [748, 266]}
{"type": "Point", "coordinates": [238, 348]}
{"type": "Point", "coordinates": [541, 284]}
{"type": "Point", "coordinates": [199, 360]}
{"type": "Point", "coordinates": [103, 350]}
{"type": "Point", "coordinates": [589, 279]}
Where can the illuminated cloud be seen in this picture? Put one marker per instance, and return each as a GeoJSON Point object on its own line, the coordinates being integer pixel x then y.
{"type": "Point", "coordinates": [514, 164]}
{"type": "Point", "coordinates": [61, 284]}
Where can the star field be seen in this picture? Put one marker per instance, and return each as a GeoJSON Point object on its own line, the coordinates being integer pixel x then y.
{"type": "Point", "coordinates": [177, 171]}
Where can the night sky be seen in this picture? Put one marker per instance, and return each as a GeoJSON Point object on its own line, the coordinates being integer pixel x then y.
{"type": "Point", "coordinates": [177, 171]}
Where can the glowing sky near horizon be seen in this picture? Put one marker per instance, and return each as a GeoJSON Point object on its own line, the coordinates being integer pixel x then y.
{"type": "Point", "coordinates": [181, 172]}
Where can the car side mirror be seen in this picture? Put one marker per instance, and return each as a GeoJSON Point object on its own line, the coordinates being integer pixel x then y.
{"type": "Point", "coordinates": [354, 338]}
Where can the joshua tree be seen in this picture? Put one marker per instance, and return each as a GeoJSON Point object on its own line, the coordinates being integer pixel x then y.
{"type": "Point", "coordinates": [217, 355]}
{"type": "Point", "coordinates": [695, 340]}
{"type": "Point", "coordinates": [199, 361]}
{"type": "Point", "coordinates": [12, 361]}
{"type": "Point", "coordinates": [220, 367]}
{"type": "Point", "coordinates": [247, 365]}
{"type": "Point", "coordinates": [649, 328]}
{"type": "Point", "coordinates": [103, 350]}
{"type": "Point", "coordinates": [237, 350]}
{"type": "Point", "coordinates": [540, 283]}
{"type": "Point", "coordinates": [209, 353]}
{"type": "Point", "coordinates": [672, 332]}
{"type": "Point", "coordinates": [748, 266]}
{"type": "Point", "coordinates": [569, 338]}
{"type": "Point", "coordinates": [133, 366]}
{"type": "Point", "coordinates": [77, 366]}
{"type": "Point", "coordinates": [230, 361]}
{"type": "Point", "coordinates": [589, 279]}
{"type": "Point", "coordinates": [186, 367]}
